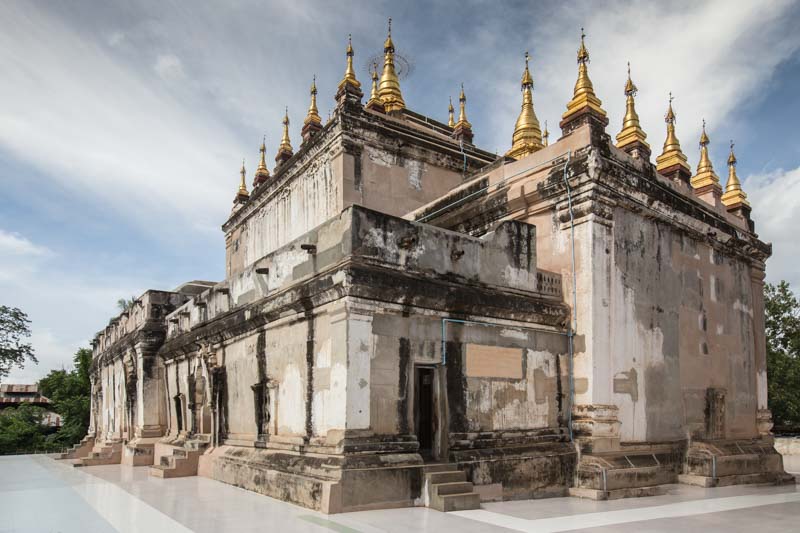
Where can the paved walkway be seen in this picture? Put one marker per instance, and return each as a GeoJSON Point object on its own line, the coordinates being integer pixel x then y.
{"type": "Point", "coordinates": [40, 494]}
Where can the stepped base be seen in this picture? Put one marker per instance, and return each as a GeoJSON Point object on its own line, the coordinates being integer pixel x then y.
{"type": "Point", "coordinates": [181, 462]}
{"type": "Point", "coordinates": [734, 462]}
{"type": "Point", "coordinates": [628, 473]}
{"type": "Point", "coordinates": [102, 454]}
{"type": "Point", "coordinates": [447, 489]}
{"type": "Point", "coordinates": [80, 450]}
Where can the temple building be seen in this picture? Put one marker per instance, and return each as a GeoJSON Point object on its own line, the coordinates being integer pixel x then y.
{"type": "Point", "coordinates": [407, 319]}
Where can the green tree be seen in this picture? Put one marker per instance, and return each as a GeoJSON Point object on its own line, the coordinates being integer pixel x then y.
{"type": "Point", "coordinates": [22, 429]}
{"type": "Point", "coordinates": [70, 393]}
{"type": "Point", "coordinates": [14, 330]}
{"type": "Point", "coordinates": [124, 304]}
{"type": "Point", "coordinates": [783, 353]}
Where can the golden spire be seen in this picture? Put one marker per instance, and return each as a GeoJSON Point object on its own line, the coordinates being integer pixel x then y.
{"type": "Point", "coordinates": [242, 195]}
{"type": "Point", "coordinates": [734, 196]}
{"type": "Point", "coordinates": [672, 157]}
{"type": "Point", "coordinates": [705, 175]}
{"type": "Point", "coordinates": [631, 129]}
{"type": "Point", "coordinates": [389, 86]}
{"type": "Point", "coordinates": [583, 96]}
{"type": "Point", "coordinates": [545, 135]}
{"type": "Point", "coordinates": [285, 150]}
{"type": "Point", "coordinates": [462, 111]}
{"type": "Point", "coordinates": [450, 121]}
{"type": "Point", "coordinates": [527, 137]}
{"type": "Point", "coordinates": [374, 101]}
{"type": "Point", "coordinates": [262, 173]}
{"type": "Point", "coordinates": [350, 73]}
{"type": "Point", "coordinates": [313, 113]}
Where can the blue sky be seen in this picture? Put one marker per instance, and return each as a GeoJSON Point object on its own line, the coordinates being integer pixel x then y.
{"type": "Point", "coordinates": [123, 124]}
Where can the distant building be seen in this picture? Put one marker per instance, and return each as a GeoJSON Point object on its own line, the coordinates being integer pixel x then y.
{"type": "Point", "coordinates": [14, 395]}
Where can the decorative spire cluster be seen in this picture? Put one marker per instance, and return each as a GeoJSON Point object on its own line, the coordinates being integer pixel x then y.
{"type": "Point", "coordinates": [527, 137]}
{"type": "Point", "coordinates": [389, 85]}
{"type": "Point", "coordinates": [584, 104]}
{"type": "Point", "coordinates": [632, 137]}
{"type": "Point", "coordinates": [705, 179]}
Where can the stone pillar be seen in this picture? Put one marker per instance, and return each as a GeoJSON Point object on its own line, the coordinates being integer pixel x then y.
{"type": "Point", "coordinates": [151, 413]}
{"type": "Point", "coordinates": [763, 414]}
{"type": "Point", "coordinates": [596, 425]}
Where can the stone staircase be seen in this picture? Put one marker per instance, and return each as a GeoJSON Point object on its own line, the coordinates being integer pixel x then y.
{"type": "Point", "coordinates": [724, 463]}
{"type": "Point", "coordinates": [447, 489]}
{"type": "Point", "coordinates": [183, 461]}
{"type": "Point", "coordinates": [108, 453]}
{"type": "Point", "coordinates": [80, 450]}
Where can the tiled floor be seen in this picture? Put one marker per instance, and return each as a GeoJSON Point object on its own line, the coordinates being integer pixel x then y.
{"type": "Point", "coordinates": [40, 494]}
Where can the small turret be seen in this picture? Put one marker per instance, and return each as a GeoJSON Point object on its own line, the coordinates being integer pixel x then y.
{"type": "Point", "coordinates": [585, 106]}
{"type": "Point", "coordinates": [285, 151]}
{"type": "Point", "coordinates": [313, 122]}
{"type": "Point", "coordinates": [374, 101]}
{"type": "Point", "coordinates": [672, 162]}
{"type": "Point", "coordinates": [706, 180]}
{"type": "Point", "coordinates": [349, 89]}
{"type": "Point", "coordinates": [632, 137]}
{"type": "Point", "coordinates": [450, 114]}
{"type": "Point", "coordinates": [527, 137]}
{"type": "Point", "coordinates": [241, 195]}
{"type": "Point", "coordinates": [389, 85]}
{"type": "Point", "coordinates": [462, 131]}
{"type": "Point", "coordinates": [262, 172]}
{"type": "Point", "coordinates": [734, 198]}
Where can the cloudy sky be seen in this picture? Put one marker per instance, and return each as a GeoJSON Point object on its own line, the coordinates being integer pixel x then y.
{"type": "Point", "coordinates": [123, 124]}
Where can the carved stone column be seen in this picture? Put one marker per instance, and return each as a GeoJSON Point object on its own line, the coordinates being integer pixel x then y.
{"type": "Point", "coordinates": [763, 414]}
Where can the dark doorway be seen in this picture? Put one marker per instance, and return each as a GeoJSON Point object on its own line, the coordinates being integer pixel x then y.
{"type": "Point", "coordinates": [179, 412]}
{"type": "Point", "coordinates": [423, 411]}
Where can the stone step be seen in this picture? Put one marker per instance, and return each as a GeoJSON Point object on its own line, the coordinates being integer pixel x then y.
{"type": "Point", "coordinates": [457, 502]}
{"type": "Point", "coordinates": [456, 487]}
{"type": "Point", "coordinates": [439, 467]}
{"type": "Point", "coordinates": [435, 478]}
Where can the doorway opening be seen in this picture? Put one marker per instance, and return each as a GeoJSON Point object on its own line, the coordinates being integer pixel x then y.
{"type": "Point", "coordinates": [424, 415]}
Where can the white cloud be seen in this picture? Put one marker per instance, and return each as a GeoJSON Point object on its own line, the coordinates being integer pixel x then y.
{"type": "Point", "coordinates": [116, 38]}
{"type": "Point", "coordinates": [775, 198]}
{"type": "Point", "coordinates": [16, 244]}
{"type": "Point", "coordinates": [169, 67]}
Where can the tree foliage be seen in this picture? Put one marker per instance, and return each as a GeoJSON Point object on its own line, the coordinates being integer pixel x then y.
{"type": "Point", "coordinates": [70, 393]}
{"type": "Point", "coordinates": [22, 430]}
{"type": "Point", "coordinates": [14, 330]}
{"type": "Point", "coordinates": [125, 303]}
{"type": "Point", "coordinates": [783, 353]}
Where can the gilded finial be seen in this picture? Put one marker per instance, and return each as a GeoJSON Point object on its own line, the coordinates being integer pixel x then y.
{"type": "Point", "coordinates": [389, 85]}
{"type": "Point", "coordinates": [285, 150]}
{"type": "Point", "coordinates": [350, 73]}
{"type": "Point", "coordinates": [545, 135]}
{"type": "Point", "coordinates": [262, 173]}
{"type": "Point", "coordinates": [527, 136]}
{"type": "Point", "coordinates": [672, 159]}
{"type": "Point", "coordinates": [734, 196]}
{"type": "Point", "coordinates": [705, 176]}
{"type": "Point", "coordinates": [450, 120]}
{"type": "Point", "coordinates": [462, 111]}
{"type": "Point", "coordinates": [242, 195]}
{"type": "Point", "coordinates": [313, 113]}
{"type": "Point", "coordinates": [374, 101]}
{"type": "Point", "coordinates": [632, 137]}
{"type": "Point", "coordinates": [583, 94]}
